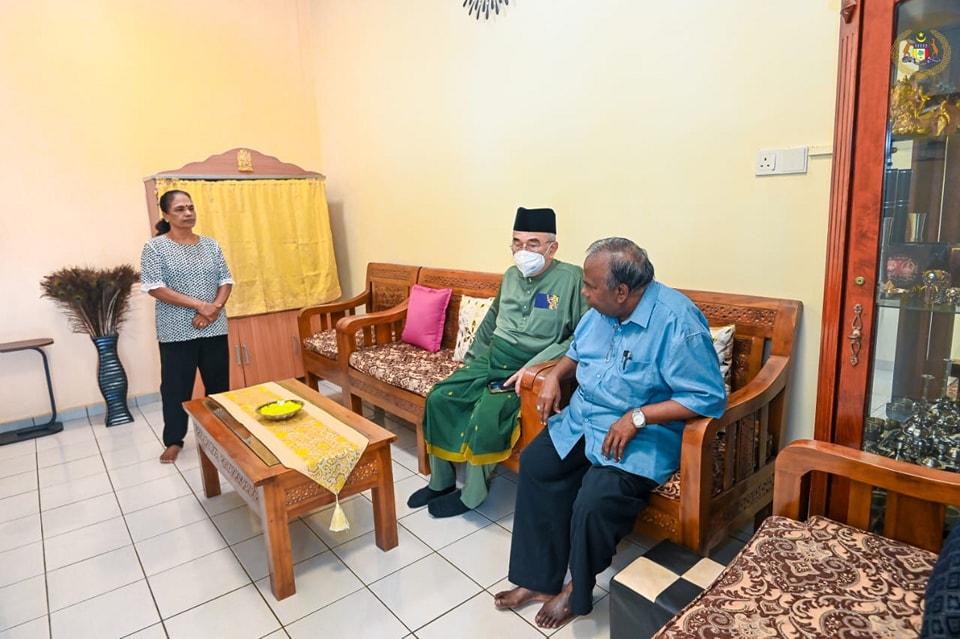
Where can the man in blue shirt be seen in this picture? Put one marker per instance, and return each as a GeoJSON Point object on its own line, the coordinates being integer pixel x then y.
{"type": "Point", "coordinates": [645, 363]}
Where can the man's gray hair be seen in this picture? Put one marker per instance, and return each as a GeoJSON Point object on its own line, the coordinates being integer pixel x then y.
{"type": "Point", "coordinates": [629, 264]}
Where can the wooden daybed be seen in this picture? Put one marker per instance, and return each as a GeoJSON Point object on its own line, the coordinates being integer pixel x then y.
{"type": "Point", "coordinates": [804, 575]}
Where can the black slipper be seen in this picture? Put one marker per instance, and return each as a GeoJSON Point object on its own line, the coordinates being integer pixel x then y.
{"type": "Point", "coordinates": [447, 506]}
{"type": "Point", "coordinates": [425, 495]}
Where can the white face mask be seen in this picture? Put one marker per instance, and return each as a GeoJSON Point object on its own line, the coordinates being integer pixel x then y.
{"type": "Point", "coordinates": [528, 262]}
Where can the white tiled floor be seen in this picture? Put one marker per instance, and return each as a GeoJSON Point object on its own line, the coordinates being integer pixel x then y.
{"type": "Point", "coordinates": [100, 540]}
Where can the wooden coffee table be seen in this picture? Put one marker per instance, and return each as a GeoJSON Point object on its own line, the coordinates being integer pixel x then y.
{"type": "Point", "coordinates": [278, 494]}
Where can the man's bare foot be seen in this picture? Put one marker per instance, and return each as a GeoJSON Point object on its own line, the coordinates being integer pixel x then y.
{"type": "Point", "coordinates": [556, 612]}
{"type": "Point", "coordinates": [517, 597]}
{"type": "Point", "coordinates": [170, 454]}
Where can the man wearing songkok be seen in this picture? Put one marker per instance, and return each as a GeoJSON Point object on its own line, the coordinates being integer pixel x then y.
{"type": "Point", "coordinates": [531, 320]}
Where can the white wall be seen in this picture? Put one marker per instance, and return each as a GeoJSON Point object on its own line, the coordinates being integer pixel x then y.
{"type": "Point", "coordinates": [95, 96]}
{"type": "Point", "coordinates": [629, 118]}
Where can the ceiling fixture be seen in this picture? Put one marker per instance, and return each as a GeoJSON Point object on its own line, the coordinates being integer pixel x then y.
{"type": "Point", "coordinates": [484, 7]}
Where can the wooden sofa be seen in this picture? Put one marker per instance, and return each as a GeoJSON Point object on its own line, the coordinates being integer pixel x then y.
{"type": "Point", "coordinates": [396, 376]}
{"type": "Point", "coordinates": [387, 286]}
{"type": "Point", "coordinates": [804, 575]}
{"type": "Point", "coordinates": [726, 469]}
{"type": "Point", "coordinates": [733, 484]}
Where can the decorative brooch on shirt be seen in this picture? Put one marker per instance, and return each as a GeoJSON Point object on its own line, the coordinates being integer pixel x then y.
{"type": "Point", "coordinates": [546, 300]}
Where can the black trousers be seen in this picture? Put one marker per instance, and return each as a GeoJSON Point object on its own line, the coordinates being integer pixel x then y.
{"type": "Point", "coordinates": [179, 362]}
{"type": "Point", "coordinates": [570, 513]}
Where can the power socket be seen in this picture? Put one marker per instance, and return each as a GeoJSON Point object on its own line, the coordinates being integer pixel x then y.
{"type": "Point", "coordinates": [781, 161]}
{"type": "Point", "coordinates": [766, 162]}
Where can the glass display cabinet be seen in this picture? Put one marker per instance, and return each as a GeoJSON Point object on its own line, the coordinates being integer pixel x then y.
{"type": "Point", "coordinates": [890, 352]}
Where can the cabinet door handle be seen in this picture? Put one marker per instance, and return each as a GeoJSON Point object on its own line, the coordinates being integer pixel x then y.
{"type": "Point", "coordinates": [847, 10]}
{"type": "Point", "coordinates": [296, 344]}
{"type": "Point", "coordinates": [246, 355]}
{"type": "Point", "coordinates": [856, 334]}
{"type": "Point", "coordinates": [237, 347]}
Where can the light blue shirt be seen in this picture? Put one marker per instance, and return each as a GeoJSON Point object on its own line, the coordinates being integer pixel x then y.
{"type": "Point", "coordinates": [663, 351]}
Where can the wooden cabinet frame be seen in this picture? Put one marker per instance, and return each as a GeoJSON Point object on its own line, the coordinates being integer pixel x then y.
{"type": "Point", "coordinates": [850, 308]}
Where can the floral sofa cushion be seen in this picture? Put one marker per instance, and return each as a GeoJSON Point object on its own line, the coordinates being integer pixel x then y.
{"type": "Point", "coordinates": [405, 366]}
{"type": "Point", "coordinates": [472, 312]}
{"type": "Point", "coordinates": [812, 579]}
{"type": "Point", "coordinates": [325, 343]}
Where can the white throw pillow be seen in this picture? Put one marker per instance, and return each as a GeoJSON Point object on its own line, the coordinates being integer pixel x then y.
{"type": "Point", "coordinates": [723, 343]}
{"type": "Point", "coordinates": [472, 312]}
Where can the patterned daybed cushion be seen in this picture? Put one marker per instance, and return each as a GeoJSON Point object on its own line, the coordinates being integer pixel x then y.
{"type": "Point", "coordinates": [325, 343]}
{"type": "Point", "coordinates": [405, 366]}
{"type": "Point", "coordinates": [812, 580]}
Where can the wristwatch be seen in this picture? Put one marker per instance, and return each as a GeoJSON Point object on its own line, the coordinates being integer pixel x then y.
{"type": "Point", "coordinates": [639, 419]}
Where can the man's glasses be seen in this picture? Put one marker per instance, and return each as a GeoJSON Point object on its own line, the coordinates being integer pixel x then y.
{"type": "Point", "coordinates": [529, 245]}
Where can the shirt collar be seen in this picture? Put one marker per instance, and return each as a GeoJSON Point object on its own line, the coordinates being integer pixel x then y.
{"type": "Point", "coordinates": [644, 309]}
{"type": "Point", "coordinates": [549, 268]}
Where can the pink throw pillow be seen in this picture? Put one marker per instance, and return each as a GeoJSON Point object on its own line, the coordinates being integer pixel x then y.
{"type": "Point", "coordinates": [426, 313]}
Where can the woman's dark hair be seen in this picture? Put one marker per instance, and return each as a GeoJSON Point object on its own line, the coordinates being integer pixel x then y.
{"type": "Point", "coordinates": [163, 226]}
{"type": "Point", "coordinates": [629, 264]}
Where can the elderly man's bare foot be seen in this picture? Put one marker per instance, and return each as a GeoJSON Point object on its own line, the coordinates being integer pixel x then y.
{"type": "Point", "coordinates": [517, 597]}
{"type": "Point", "coordinates": [556, 612]}
{"type": "Point", "coordinates": [170, 454]}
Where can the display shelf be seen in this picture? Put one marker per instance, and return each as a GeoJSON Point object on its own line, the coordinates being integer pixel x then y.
{"type": "Point", "coordinates": [916, 305]}
{"type": "Point", "coordinates": [892, 286]}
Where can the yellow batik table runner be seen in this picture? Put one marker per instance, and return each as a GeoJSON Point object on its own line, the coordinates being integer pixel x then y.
{"type": "Point", "coordinates": [313, 443]}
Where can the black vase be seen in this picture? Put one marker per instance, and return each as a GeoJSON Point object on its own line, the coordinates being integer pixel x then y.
{"type": "Point", "coordinates": [112, 380]}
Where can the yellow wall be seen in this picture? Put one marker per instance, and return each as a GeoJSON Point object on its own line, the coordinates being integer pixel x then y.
{"type": "Point", "coordinates": [630, 118]}
{"type": "Point", "coordinates": [639, 119]}
{"type": "Point", "coordinates": [94, 96]}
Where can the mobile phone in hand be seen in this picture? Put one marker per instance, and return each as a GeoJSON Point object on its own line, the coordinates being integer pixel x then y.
{"type": "Point", "coordinates": [498, 387]}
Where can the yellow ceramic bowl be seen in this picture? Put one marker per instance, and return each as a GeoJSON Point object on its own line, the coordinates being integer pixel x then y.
{"type": "Point", "coordinates": [280, 409]}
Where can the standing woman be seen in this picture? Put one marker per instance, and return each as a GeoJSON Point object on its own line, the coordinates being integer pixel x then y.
{"type": "Point", "coordinates": [189, 278]}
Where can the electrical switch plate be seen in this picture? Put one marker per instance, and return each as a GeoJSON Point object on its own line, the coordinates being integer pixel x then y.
{"type": "Point", "coordinates": [781, 161]}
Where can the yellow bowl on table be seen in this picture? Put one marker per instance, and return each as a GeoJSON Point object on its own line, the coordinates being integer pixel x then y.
{"type": "Point", "coordinates": [280, 409]}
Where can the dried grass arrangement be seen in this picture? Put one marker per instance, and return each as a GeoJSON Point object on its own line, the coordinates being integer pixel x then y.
{"type": "Point", "coordinates": [95, 300]}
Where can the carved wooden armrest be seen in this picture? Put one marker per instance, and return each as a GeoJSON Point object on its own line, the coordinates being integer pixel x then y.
{"type": "Point", "coordinates": [529, 387]}
{"type": "Point", "coordinates": [909, 488]}
{"type": "Point", "coordinates": [533, 376]}
{"type": "Point", "coordinates": [699, 434]}
{"type": "Point", "coordinates": [328, 314]}
{"type": "Point", "coordinates": [378, 328]}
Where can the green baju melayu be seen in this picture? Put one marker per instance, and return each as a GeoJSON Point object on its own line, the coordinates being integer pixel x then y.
{"type": "Point", "coordinates": [465, 394]}
{"type": "Point", "coordinates": [531, 320]}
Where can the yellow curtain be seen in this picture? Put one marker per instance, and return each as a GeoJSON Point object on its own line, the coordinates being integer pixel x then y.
{"type": "Point", "coordinates": [275, 236]}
